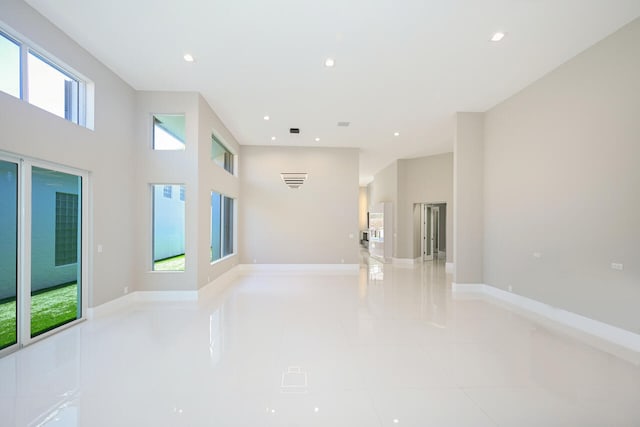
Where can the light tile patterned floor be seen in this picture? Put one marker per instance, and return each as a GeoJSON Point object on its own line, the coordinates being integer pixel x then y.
{"type": "Point", "coordinates": [386, 347]}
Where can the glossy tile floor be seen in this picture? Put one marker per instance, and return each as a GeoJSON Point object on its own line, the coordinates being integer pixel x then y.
{"type": "Point", "coordinates": [387, 347]}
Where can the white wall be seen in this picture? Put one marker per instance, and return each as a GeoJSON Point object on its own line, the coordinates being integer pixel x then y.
{"type": "Point", "coordinates": [423, 180]}
{"type": "Point", "coordinates": [468, 188]}
{"type": "Point", "coordinates": [310, 225]}
{"type": "Point", "coordinates": [165, 167]}
{"type": "Point", "coordinates": [562, 179]}
{"type": "Point", "coordinates": [105, 152]}
{"type": "Point", "coordinates": [406, 182]}
{"type": "Point", "coordinates": [213, 177]}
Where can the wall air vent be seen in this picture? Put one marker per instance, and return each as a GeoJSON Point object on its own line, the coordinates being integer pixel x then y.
{"type": "Point", "coordinates": [344, 124]}
{"type": "Point", "coordinates": [294, 130]}
{"type": "Point", "coordinates": [293, 180]}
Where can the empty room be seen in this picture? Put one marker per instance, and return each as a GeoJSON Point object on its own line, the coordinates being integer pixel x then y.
{"type": "Point", "coordinates": [286, 213]}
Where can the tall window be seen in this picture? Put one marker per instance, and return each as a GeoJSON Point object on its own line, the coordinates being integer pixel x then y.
{"type": "Point", "coordinates": [221, 155]}
{"type": "Point", "coordinates": [48, 85]}
{"type": "Point", "coordinates": [222, 213]}
{"type": "Point", "coordinates": [169, 132]}
{"type": "Point", "coordinates": [168, 229]}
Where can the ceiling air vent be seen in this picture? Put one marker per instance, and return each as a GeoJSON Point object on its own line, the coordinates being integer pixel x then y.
{"type": "Point", "coordinates": [294, 180]}
{"type": "Point", "coordinates": [344, 124]}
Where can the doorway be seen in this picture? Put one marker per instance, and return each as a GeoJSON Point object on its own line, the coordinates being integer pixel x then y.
{"type": "Point", "coordinates": [433, 228]}
{"type": "Point", "coordinates": [43, 249]}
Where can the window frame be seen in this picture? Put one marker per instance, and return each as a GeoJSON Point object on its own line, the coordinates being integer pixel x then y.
{"type": "Point", "coordinates": [154, 221]}
{"type": "Point", "coordinates": [154, 124]}
{"type": "Point", "coordinates": [84, 115]}
{"type": "Point", "coordinates": [223, 226]}
{"type": "Point", "coordinates": [215, 139]}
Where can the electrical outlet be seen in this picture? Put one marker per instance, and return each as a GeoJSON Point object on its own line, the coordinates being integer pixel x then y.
{"type": "Point", "coordinates": [510, 288]}
{"type": "Point", "coordinates": [99, 249]}
{"type": "Point", "coordinates": [254, 260]}
{"type": "Point", "coordinates": [537, 255]}
{"type": "Point", "coordinates": [342, 260]}
{"type": "Point", "coordinates": [616, 266]}
{"type": "Point", "coordinates": [126, 290]}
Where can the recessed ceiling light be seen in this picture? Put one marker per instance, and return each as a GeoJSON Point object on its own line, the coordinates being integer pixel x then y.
{"type": "Point", "coordinates": [266, 118]}
{"type": "Point", "coordinates": [396, 134]}
{"type": "Point", "coordinates": [496, 37]}
{"type": "Point", "coordinates": [329, 62]}
{"type": "Point", "coordinates": [317, 139]}
{"type": "Point", "coordinates": [188, 57]}
{"type": "Point", "coordinates": [273, 138]}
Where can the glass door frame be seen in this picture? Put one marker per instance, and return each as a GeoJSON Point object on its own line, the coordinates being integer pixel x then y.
{"type": "Point", "coordinates": [23, 303]}
{"type": "Point", "coordinates": [5, 157]}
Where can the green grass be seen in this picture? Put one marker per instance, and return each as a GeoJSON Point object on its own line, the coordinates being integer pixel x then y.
{"type": "Point", "coordinates": [175, 263]}
{"type": "Point", "coordinates": [7, 323]}
{"type": "Point", "coordinates": [48, 309]}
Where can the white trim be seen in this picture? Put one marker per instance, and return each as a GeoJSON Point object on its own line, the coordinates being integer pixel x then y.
{"type": "Point", "coordinates": [347, 268]}
{"type": "Point", "coordinates": [220, 283]}
{"type": "Point", "coordinates": [449, 267]}
{"type": "Point", "coordinates": [410, 261]}
{"type": "Point", "coordinates": [595, 328]}
{"type": "Point", "coordinates": [111, 306]}
{"type": "Point", "coordinates": [161, 296]}
{"type": "Point", "coordinates": [139, 296]}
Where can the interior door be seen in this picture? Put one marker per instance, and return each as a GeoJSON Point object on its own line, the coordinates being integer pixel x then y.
{"type": "Point", "coordinates": [435, 227]}
{"type": "Point", "coordinates": [427, 233]}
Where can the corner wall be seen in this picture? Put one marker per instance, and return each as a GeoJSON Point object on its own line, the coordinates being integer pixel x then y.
{"type": "Point", "coordinates": [468, 216]}
{"type": "Point", "coordinates": [105, 152]}
{"type": "Point", "coordinates": [212, 177]}
{"type": "Point", "coordinates": [423, 180]}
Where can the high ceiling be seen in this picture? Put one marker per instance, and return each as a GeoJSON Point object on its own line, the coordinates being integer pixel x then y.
{"type": "Point", "coordinates": [400, 65]}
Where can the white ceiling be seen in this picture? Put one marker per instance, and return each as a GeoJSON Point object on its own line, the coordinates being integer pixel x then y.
{"type": "Point", "coordinates": [401, 65]}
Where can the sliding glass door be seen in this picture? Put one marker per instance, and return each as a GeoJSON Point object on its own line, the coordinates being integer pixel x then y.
{"type": "Point", "coordinates": [8, 253]}
{"type": "Point", "coordinates": [43, 250]}
{"type": "Point", "coordinates": [56, 249]}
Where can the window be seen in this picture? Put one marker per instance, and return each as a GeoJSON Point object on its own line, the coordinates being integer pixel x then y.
{"type": "Point", "coordinates": [66, 229]}
{"type": "Point", "coordinates": [9, 66]}
{"type": "Point", "coordinates": [167, 191]}
{"type": "Point", "coordinates": [220, 155]}
{"type": "Point", "coordinates": [222, 213]}
{"type": "Point", "coordinates": [169, 132]}
{"type": "Point", "coordinates": [168, 229]}
{"type": "Point", "coordinates": [48, 85]}
{"type": "Point", "coordinates": [182, 193]}
{"type": "Point", "coordinates": [52, 89]}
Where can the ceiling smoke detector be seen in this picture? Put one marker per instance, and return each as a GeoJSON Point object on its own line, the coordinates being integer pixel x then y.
{"type": "Point", "coordinates": [293, 179]}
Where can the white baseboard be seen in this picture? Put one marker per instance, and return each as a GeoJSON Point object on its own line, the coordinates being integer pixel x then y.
{"type": "Point", "coordinates": [111, 306]}
{"type": "Point", "coordinates": [162, 296]}
{"type": "Point", "coordinates": [220, 283]}
{"type": "Point", "coordinates": [124, 301]}
{"type": "Point", "coordinates": [448, 267]}
{"type": "Point", "coordinates": [310, 268]}
{"type": "Point", "coordinates": [612, 334]}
